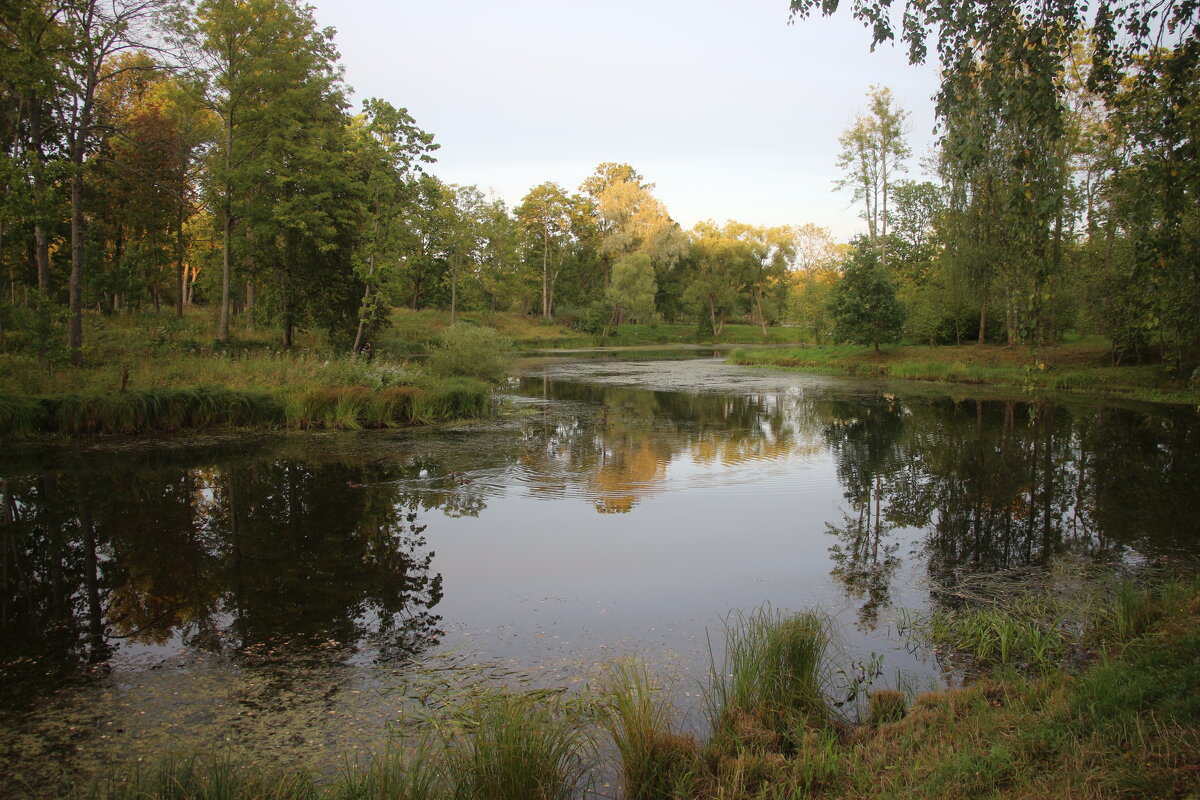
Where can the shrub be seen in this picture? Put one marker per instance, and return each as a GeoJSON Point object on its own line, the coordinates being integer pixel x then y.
{"type": "Point", "coordinates": [472, 352]}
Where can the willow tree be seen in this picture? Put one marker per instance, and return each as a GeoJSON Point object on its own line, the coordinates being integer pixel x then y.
{"type": "Point", "coordinates": [720, 260]}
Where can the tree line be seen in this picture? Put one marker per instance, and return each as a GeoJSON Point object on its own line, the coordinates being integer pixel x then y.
{"type": "Point", "coordinates": [1067, 175]}
{"type": "Point", "coordinates": [163, 154]}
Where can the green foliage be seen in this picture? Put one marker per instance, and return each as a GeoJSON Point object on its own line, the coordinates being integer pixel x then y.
{"type": "Point", "coordinates": [471, 351]}
{"type": "Point", "coordinates": [633, 288]}
{"type": "Point", "coordinates": [863, 304]}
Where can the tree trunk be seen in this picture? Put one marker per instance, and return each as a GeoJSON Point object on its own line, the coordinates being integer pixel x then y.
{"type": "Point", "coordinates": [983, 306]}
{"type": "Point", "coordinates": [227, 231]}
{"type": "Point", "coordinates": [226, 241]}
{"type": "Point", "coordinates": [249, 310]}
{"type": "Point", "coordinates": [362, 310]}
{"type": "Point", "coordinates": [75, 325]}
{"type": "Point", "coordinates": [180, 267]}
{"type": "Point", "coordinates": [40, 237]}
{"type": "Point", "coordinates": [545, 272]}
{"type": "Point", "coordinates": [453, 295]}
{"type": "Point", "coordinates": [883, 217]}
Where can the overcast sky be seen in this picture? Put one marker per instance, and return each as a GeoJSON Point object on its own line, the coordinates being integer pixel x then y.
{"type": "Point", "coordinates": [733, 113]}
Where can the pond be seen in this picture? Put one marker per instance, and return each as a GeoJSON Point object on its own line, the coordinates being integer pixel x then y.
{"type": "Point", "coordinates": [299, 596]}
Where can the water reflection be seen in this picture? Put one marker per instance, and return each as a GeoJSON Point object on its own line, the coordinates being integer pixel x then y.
{"type": "Point", "coordinates": [281, 554]}
{"type": "Point", "coordinates": [256, 559]}
{"type": "Point", "coordinates": [297, 563]}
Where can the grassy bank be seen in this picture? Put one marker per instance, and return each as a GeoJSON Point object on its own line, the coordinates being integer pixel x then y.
{"type": "Point", "coordinates": [153, 373]}
{"type": "Point", "coordinates": [1126, 725]}
{"type": "Point", "coordinates": [412, 331]}
{"type": "Point", "coordinates": [1082, 367]}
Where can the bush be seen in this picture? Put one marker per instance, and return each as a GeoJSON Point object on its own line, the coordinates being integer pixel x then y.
{"type": "Point", "coordinates": [472, 352]}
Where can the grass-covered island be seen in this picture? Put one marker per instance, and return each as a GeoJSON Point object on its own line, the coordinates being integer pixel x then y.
{"type": "Point", "coordinates": [1087, 694]}
{"type": "Point", "coordinates": [1083, 366]}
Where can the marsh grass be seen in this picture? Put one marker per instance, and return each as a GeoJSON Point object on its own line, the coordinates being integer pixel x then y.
{"type": "Point", "coordinates": [471, 351]}
{"type": "Point", "coordinates": [657, 761]}
{"type": "Point", "coordinates": [770, 685]}
{"type": "Point", "coordinates": [886, 705]}
{"type": "Point", "coordinates": [1000, 637]}
{"type": "Point", "coordinates": [204, 407]}
{"type": "Point", "coordinates": [145, 392]}
{"type": "Point", "coordinates": [516, 747]}
{"type": "Point", "coordinates": [416, 772]}
{"type": "Point", "coordinates": [198, 778]}
{"type": "Point", "coordinates": [1128, 611]}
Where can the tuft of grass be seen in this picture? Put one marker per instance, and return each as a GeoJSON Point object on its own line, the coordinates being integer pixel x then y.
{"type": "Point", "coordinates": [657, 762]}
{"type": "Point", "coordinates": [416, 773]}
{"type": "Point", "coordinates": [21, 417]}
{"type": "Point", "coordinates": [770, 684]}
{"type": "Point", "coordinates": [886, 705]}
{"type": "Point", "coordinates": [196, 778]}
{"type": "Point", "coordinates": [996, 637]}
{"type": "Point", "coordinates": [517, 748]}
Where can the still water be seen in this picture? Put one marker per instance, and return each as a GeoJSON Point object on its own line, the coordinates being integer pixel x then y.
{"type": "Point", "coordinates": [299, 596]}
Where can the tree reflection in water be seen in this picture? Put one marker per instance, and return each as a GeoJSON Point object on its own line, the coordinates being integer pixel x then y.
{"type": "Point", "coordinates": [255, 559]}
{"type": "Point", "coordinates": [323, 558]}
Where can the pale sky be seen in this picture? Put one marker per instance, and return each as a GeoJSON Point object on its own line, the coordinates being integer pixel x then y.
{"type": "Point", "coordinates": [730, 111]}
